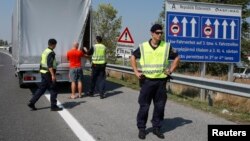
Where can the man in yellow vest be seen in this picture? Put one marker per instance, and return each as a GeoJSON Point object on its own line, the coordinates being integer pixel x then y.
{"type": "Point", "coordinates": [154, 56]}
{"type": "Point", "coordinates": [98, 74]}
{"type": "Point", "coordinates": [48, 75]}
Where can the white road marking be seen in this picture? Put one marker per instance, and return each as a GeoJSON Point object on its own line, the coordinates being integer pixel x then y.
{"type": "Point", "coordinates": [75, 126]}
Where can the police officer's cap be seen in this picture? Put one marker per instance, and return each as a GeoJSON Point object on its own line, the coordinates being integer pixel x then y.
{"type": "Point", "coordinates": [156, 27]}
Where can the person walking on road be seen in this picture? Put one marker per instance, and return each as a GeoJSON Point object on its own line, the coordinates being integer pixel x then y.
{"type": "Point", "coordinates": [75, 73]}
{"type": "Point", "coordinates": [154, 56]}
{"type": "Point", "coordinates": [48, 75]}
{"type": "Point", "coordinates": [98, 74]}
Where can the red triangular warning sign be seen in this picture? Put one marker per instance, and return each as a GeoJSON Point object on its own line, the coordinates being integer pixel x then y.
{"type": "Point", "coordinates": [126, 37]}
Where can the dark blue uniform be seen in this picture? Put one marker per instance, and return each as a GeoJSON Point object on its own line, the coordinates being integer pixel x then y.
{"type": "Point", "coordinates": [152, 90]}
{"type": "Point", "coordinates": [47, 83]}
{"type": "Point", "coordinates": [98, 74]}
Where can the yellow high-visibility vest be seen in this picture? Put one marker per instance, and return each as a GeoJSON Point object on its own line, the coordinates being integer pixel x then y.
{"type": "Point", "coordinates": [99, 55]}
{"type": "Point", "coordinates": [44, 67]}
{"type": "Point", "coordinates": [154, 61]}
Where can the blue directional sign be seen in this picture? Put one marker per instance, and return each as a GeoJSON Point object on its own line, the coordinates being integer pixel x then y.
{"type": "Point", "coordinates": [204, 32]}
{"type": "Point", "coordinates": [187, 25]}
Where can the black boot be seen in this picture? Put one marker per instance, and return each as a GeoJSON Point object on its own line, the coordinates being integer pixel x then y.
{"type": "Point", "coordinates": [56, 108]}
{"type": "Point", "coordinates": [32, 106]}
{"type": "Point", "coordinates": [90, 94]}
{"type": "Point", "coordinates": [142, 134]}
{"type": "Point", "coordinates": [102, 96]}
{"type": "Point", "coordinates": [158, 133]}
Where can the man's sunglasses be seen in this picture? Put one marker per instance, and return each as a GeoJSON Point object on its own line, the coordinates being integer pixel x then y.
{"type": "Point", "coordinates": [158, 33]}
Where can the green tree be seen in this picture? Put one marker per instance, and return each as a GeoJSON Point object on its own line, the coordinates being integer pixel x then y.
{"type": "Point", "coordinates": [1, 42]}
{"type": "Point", "coordinates": [108, 25]}
{"type": "Point", "coordinates": [6, 43]}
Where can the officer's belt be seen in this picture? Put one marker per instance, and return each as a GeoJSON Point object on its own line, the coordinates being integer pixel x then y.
{"type": "Point", "coordinates": [155, 79]}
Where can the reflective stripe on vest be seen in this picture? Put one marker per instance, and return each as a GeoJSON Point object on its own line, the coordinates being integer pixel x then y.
{"type": "Point", "coordinates": [44, 67]}
{"type": "Point", "coordinates": [154, 62]}
{"type": "Point", "coordinates": [99, 55]}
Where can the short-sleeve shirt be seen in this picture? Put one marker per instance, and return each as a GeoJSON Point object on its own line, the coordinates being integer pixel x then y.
{"type": "Point", "coordinates": [74, 57]}
{"type": "Point", "coordinates": [172, 53]}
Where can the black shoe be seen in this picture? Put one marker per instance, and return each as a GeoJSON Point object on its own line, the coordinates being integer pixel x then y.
{"type": "Point", "coordinates": [102, 96]}
{"type": "Point", "coordinates": [158, 133]}
{"type": "Point", "coordinates": [56, 108]}
{"type": "Point", "coordinates": [32, 106]}
{"type": "Point", "coordinates": [142, 134]}
{"type": "Point", "coordinates": [90, 94]}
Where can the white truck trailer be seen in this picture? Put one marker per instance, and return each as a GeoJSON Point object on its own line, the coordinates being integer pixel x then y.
{"type": "Point", "coordinates": [34, 22]}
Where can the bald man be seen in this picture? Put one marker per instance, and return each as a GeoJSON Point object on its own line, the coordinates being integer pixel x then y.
{"type": "Point", "coordinates": [75, 74]}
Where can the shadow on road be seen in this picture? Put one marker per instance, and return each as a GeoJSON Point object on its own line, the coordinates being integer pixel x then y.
{"type": "Point", "coordinates": [65, 87]}
{"type": "Point", "coordinates": [70, 105]}
{"type": "Point", "coordinates": [42, 108]}
{"type": "Point", "coordinates": [171, 124]}
{"type": "Point", "coordinates": [110, 87]}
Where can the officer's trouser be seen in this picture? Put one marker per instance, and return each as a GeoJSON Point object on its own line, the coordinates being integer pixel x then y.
{"type": "Point", "coordinates": [98, 78]}
{"type": "Point", "coordinates": [152, 90]}
{"type": "Point", "coordinates": [44, 85]}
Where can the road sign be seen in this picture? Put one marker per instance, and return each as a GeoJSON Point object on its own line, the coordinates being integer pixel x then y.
{"type": "Point", "coordinates": [204, 32]}
{"type": "Point", "coordinates": [125, 44]}
{"type": "Point", "coordinates": [126, 37]}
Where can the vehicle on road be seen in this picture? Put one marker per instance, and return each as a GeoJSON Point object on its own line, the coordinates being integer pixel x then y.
{"type": "Point", "coordinates": [36, 21]}
{"type": "Point", "coordinates": [242, 73]}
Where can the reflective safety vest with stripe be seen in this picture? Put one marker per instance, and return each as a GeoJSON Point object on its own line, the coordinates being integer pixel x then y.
{"type": "Point", "coordinates": [154, 61]}
{"type": "Point", "coordinates": [44, 67]}
{"type": "Point", "coordinates": [99, 55]}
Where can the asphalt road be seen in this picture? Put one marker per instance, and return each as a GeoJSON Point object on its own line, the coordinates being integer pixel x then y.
{"type": "Point", "coordinates": [109, 119]}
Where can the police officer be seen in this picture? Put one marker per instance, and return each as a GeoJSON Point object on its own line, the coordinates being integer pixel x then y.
{"type": "Point", "coordinates": [98, 53]}
{"type": "Point", "coordinates": [154, 55]}
{"type": "Point", "coordinates": [48, 74]}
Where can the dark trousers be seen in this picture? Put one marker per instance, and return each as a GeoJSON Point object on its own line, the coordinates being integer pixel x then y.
{"type": "Point", "coordinates": [46, 84]}
{"type": "Point", "coordinates": [98, 78]}
{"type": "Point", "coordinates": [152, 90]}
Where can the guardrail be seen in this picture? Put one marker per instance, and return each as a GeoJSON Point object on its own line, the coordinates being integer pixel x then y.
{"type": "Point", "coordinates": [204, 83]}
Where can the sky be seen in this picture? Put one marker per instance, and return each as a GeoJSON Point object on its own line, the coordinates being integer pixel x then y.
{"type": "Point", "coordinates": [137, 15]}
{"type": "Point", "coordinates": [6, 7]}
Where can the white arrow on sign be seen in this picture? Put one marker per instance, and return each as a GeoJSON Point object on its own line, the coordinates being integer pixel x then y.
{"type": "Point", "coordinates": [193, 22]}
{"type": "Point", "coordinates": [208, 22]}
{"type": "Point", "coordinates": [224, 29]}
{"type": "Point", "coordinates": [216, 32]}
{"type": "Point", "coordinates": [184, 22]}
{"type": "Point", "coordinates": [232, 29]}
{"type": "Point", "coordinates": [175, 20]}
